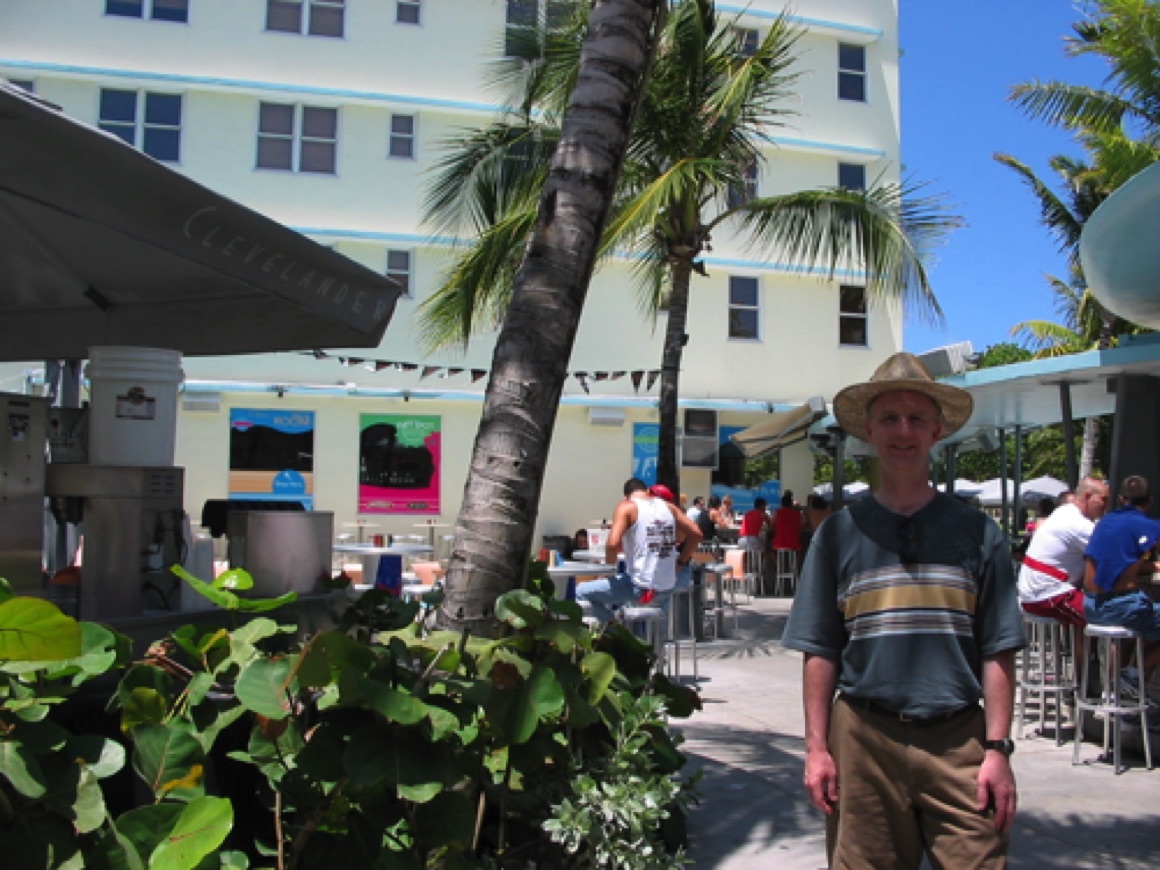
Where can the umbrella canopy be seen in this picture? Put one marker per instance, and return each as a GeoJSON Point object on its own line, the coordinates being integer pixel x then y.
{"type": "Point", "coordinates": [1037, 488]}
{"type": "Point", "coordinates": [963, 487]}
{"type": "Point", "coordinates": [991, 492]}
{"type": "Point", "coordinates": [102, 245]}
{"type": "Point", "coordinates": [850, 492]}
{"type": "Point", "coordinates": [779, 430]}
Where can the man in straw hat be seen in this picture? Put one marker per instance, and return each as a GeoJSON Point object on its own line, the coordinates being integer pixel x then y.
{"type": "Point", "coordinates": [907, 615]}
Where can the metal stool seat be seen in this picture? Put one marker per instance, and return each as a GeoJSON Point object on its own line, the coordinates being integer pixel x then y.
{"type": "Point", "coordinates": [1109, 703]}
{"type": "Point", "coordinates": [681, 599]}
{"type": "Point", "coordinates": [784, 572]}
{"type": "Point", "coordinates": [647, 622]}
{"type": "Point", "coordinates": [1047, 671]}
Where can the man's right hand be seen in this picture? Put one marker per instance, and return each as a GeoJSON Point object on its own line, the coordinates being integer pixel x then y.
{"type": "Point", "coordinates": [821, 780]}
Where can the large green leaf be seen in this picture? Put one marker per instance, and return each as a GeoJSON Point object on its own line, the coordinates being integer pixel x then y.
{"type": "Point", "coordinates": [537, 698]}
{"type": "Point", "coordinates": [21, 769]}
{"type": "Point", "coordinates": [395, 705]}
{"type": "Point", "coordinates": [601, 671]}
{"type": "Point", "coordinates": [265, 686]}
{"type": "Point", "coordinates": [202, 826]}
{"type": "Point", "coordinates": [104, 757]}
{"type": "Point", "coordinates": [32, 629]}
{"type": "Point", "coordinates": [139, 831]}
{"type": "Point", "coordinates": [142, 706]}
{"type": "Point", "coordinates": [169, 759]}
{"type": "Point", "coordinates": [75, 793]}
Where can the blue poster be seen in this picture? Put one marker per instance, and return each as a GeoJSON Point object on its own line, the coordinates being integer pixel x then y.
{"type": "Point", "coordinates": [272, 455]}
{"type": "Point", "coordinates": [645, 443]}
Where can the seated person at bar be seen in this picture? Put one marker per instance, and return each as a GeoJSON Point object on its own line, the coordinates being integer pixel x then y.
{"type": "Point", "coordinates": [1051, 577]}
{"type": "Point", "coordinates": [648, 529]}
{"type": "Point", "coordinates": [1118, 556]}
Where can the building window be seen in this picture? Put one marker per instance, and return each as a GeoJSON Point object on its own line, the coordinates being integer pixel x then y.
{"type": "Point", "coordinates": [852, 321]}
{"type": "Point", "coordinates": [24, 85]}
{"type": "Point", "coordinates": [747, 40]}
{"type": "Point", "coordinates": [737, 196]}
{"type": "Point", "coordinates": [399, 270]}
{"type": "Point", "coordinates": [743, 307]}
{"type": "Point", "coordinates": [312, 17]}
{"type": "Point", "coordinates": [526, 19]}
{"type": "Point", "coordinates": [156, 10]}
{"type": "Point", "coordinates": [407, 11]}
{"type": "Point", "coordinates": [852, 176]}
{"type": "Point", "coordinates": [297, 138]}
{"type": "Point", "coordinates": [700, 440]}
{"type": "Point", "coordinates": [150, 122]}
{"type": "Point", "coordinates": [402, 142]}
{"type": "Point", "coordinates": [851, 72]}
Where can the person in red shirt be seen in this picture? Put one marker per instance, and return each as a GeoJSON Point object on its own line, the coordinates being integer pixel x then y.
{"type": "Point", "coordinates": [787, 525]}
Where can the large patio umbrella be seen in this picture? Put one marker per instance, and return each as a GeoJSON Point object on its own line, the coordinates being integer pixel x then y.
{"type": "Point", "coordinates": [102, 245]}
{"type": "Point", "coordinates": [1038, 488]}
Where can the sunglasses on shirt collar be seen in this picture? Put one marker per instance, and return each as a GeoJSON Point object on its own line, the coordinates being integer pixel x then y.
{"type": "Point", "coordinates": [907, 541]}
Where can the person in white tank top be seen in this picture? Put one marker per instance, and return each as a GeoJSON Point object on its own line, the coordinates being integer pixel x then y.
{"type": "Point", "coordinates": [647, 529]}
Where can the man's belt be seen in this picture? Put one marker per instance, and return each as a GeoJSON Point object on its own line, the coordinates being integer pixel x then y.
{"type": "Point", "coordinates": [879, 710]}
{"type": "Point", "coordinates": [1049, 570]}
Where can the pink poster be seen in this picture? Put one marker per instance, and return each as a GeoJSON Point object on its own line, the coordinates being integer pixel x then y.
{"type": "Point", "coordinates": [399, 463]}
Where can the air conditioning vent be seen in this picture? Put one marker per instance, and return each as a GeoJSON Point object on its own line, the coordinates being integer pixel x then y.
{"type": "Point", "coordinates": [605, 416]}
{"type": "Point", "coordinates": [202, 402]}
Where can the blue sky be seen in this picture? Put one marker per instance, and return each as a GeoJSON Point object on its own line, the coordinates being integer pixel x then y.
{"type": "Point", "coordinates": [959, 60]}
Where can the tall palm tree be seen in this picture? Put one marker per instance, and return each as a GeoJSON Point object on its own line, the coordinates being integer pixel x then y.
{"type": "Point", "coordinates": [706, 118]}
{"type": "Point", "coordinates": [529, 366]}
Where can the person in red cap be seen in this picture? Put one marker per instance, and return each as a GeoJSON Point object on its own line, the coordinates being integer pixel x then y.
{"type": "Point", "coordinates": [659, 490]}
{"type": "Point", "coordinates": [657, 538]}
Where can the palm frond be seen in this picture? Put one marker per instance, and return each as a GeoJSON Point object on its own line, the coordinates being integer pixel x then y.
{"type": "Point", "coordinates": [1046, 339]}
{"type": "Point", "coordinates": [1071, 106]}
{"type": "Point", "coordinates": [884, 232]}
{"type": "Point", "coordinates": [486, 173]}
{"type": "Point", "coordinates": [477, 287]}
{"type": "Point", "coordinates": [1054, 213]}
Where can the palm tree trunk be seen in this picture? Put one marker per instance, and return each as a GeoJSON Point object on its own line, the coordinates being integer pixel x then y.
{"type": "Point", "coordinates": [668, 471]}
{"type": "Point", "coordinates": [1087, 456]}
{"type": "Point", "coordinates": [502, 495]}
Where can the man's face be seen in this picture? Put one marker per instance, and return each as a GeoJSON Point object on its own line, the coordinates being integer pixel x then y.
{"type": "Point", "coordinates": [1093, 503]}
{"type": "Point", "coordinates": [903, 426]}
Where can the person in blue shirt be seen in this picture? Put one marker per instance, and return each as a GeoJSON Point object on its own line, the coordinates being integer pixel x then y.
{"type": "Point", "coordinates": [1118, 560]}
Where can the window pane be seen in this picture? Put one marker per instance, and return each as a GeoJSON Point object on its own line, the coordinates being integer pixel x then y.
{"type": "Point", "coordinates": [276, 118]}
{"type": "Point", "coordinates": [852, 330]}
{"type": "Point", "coordinates": [318, 157]}
{"type": "Point", "coordinates": [404, 124]}
{"type": "Point", "coordinates": [851, 57]}
{"type": "Point", "coordinates": [402, 146]}
{"type": "Point", "coordinates": [275, 153]}
{"type": "Point", "coordinates": [853, 300]}
{"type": "Point", "coordinates": [399, 270]}
{"type": "Point", "coordinates": [284, 15]}
{"type": "Point", "coordinates": [852, 176]}
{"type": "Point", "coordinates": [742, 291]}
{"type": "Point", "coordinates": [852, 86]}
{"type": "Point", "coordinates": [171, 10]}
{"type": "Point", "coordinates": [319, 123]}
{"type": "Point", "coordinates": [118, 105]}
{"type": "Point", "coordinates": [521, 12]}
{"type": "Point", "coordinates": [326, 19]}
{"type": "Point", "coordinates": [163, 109]}
{"type": "Point", "coordinates": [407, 13]}
{"type": "Point", "coordinates": [742, 323]}
{"type": "Point", "coordinates": [126, 8]}
{"type": "Point", "coordinates": [162, 143]}
{"type": "Point", "coordinates": [24, 84]}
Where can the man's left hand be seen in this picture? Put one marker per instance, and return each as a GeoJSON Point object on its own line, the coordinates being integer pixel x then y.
{"type": "Point", "coordinates": [997, 790]}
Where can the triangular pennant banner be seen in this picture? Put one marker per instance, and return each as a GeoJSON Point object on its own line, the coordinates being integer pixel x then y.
{"type": "Point", "coordinates": [380, 365]}
{"type": "Point", "coordinates": [652, 379]}
{"type": "Point", "coordinates": [476, 374]}
{"type": "Point", "coordinates": [616, 376]}
{"type": "Point", "coordinates": [601, 376]}
{"type": "Point", "coordinates": [407, 367]}
{"type": "Point", "coordinates": [637, 377]}
{"type": "Point", "coordinates": [428, 370]}
{"type": "Point", "coordinates": [583, 379]}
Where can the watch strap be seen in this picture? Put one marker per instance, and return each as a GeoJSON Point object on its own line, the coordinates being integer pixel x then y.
{"type": "Point", "coordinates": [1006, 745]}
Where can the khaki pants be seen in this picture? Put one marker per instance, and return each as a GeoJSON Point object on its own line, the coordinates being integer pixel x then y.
{"type": "Point", "coordinates": [909, 788]}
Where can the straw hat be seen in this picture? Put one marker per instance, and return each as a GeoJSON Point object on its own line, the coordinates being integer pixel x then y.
{"type": "Point", "coordinates": [902, 371]}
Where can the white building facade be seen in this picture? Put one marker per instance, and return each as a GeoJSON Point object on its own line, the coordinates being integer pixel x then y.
{"type": "Point", "coordinates": [327, 115]}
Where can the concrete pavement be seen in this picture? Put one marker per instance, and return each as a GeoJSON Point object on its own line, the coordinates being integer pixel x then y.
{"type": "Point", "coordinates": [754, 813]}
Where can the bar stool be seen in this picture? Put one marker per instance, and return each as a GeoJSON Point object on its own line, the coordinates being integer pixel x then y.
{"type": "Point", "coordinates": [1109, 639]}
{"type": "Point", "coordinates": [681, 599]}
{"type": "Point", "coordinates": [1047, 671]}
{"type": "Point", "coordinates": [785, 570]}
{"type": "Point", "coordinates": [648, 622]}
{"type": "Point", "coordinates": [722, 574]}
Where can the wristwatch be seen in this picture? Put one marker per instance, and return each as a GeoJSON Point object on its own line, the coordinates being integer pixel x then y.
{"type": "Point", "coordinates": [1006, 745]}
